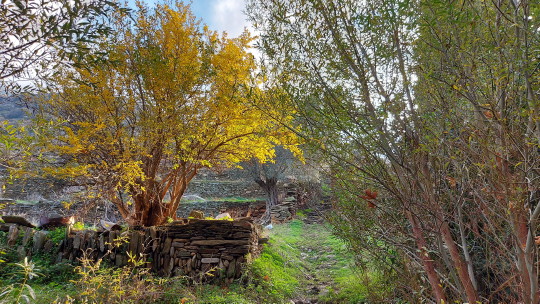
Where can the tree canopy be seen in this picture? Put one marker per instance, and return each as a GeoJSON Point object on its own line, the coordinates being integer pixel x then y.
{"type": "Point", "coordinates": [37, 35]}
{"type": "Point", "coordinates": [176, 97]}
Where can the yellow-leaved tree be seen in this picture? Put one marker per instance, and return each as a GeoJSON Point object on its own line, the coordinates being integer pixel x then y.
{"type": "Point", "coordinates": [174, 97]}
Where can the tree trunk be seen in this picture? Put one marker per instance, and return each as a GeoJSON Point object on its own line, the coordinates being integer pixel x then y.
{"type": "Point", "coordinates": [151, 212]}
{"type": "Point", "coordinates": [149, 207]}
{"type": "Point", "coordinates": [428, 263]}
{"type": "Point", "coordinates": [461, 267]}
{"type": "Point", "coordinates": [272, 197]}
{"type": "Point", "coordinates": [459, 264]}
{"type": "Point", "coordinates": [525, 258]}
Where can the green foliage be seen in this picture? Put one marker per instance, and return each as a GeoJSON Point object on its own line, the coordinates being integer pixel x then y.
{"type": "Point", "coordinates": [79, 226]}
{"type": "Point", "coordinates": [301, 214]}
{"type": "Point", "coordinates": [57, 235]}
{"type": "Point", "coordinates": [16, 292]}
{"type": "Point", "coordinates": [129, 284]}
{"type": "Point", "coordinates": [47, 34]}
{"type": "Point", "coordinates": [215, 294]}
{"type": "Point", "coordinates": [53, 273]}
{"type": "Point", "coordinates": [9, 272]}
{"type": "Point", "coordinates": [347, 67]}
{"type": "Point", "coordinates": [3, 237]}
{"type": "Point", "coordinates": [16, 146]}
{"type": "Point", "coordinates": [54, 292]}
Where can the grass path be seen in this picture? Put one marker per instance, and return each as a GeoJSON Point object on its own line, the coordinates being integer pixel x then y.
{"type": "Point", "coordinates": [315, 262]}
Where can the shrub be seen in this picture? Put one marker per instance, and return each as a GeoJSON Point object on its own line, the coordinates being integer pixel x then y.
{"type": "Point", "coordinates": [57, 235]}
{"type": "Point", "coordinates": [129, 284]}
{"type": "Point", "coordinates": [15, 292]}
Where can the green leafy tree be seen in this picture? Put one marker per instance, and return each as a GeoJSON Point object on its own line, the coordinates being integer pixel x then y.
{"type": "Point", "coordinates": [480, 79]}
{"type": "Point", "coordinates": [36, 38]}
{"type": "Point", "coordinates": [347, 69]}
{"type": "Point", "coordinates": [439, 169]}
{"type": "Point", "coordinates": [38, 35]}
{"type": "Point", "coordinates": [268, 174]}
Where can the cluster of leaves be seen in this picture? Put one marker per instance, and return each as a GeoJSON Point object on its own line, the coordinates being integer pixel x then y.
{"type": "Point", "coordinates": [38, 35]}
{"type": "Point", "coordinates": [15, 148]}
{"type": "Point", "coordinates": [130, 284]}
{"type": "Point", "coordinates": [57, 235]}
{"type": "Point", "coordinates": [15, 293]}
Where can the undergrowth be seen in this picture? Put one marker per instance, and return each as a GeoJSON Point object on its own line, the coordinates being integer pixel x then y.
{"type": "Point", "coordinates": [301, 262]}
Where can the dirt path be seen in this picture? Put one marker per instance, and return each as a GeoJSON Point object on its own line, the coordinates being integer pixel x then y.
{"type": "Point", "coordinates": [319, 256]}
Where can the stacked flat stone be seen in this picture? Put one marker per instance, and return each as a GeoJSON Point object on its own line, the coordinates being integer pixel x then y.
{"type": "Point", "coordinates": [190, 247]}
{"type": "Point", "coordinates": [284, 211]}
{"type": "Point", "coordinates": [203, 246]}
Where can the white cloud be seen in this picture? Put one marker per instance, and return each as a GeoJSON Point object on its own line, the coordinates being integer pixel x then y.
{"type": "Point", "coordinates": [227, 15]}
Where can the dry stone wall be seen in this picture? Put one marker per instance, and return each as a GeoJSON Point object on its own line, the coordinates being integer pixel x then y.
{"type": "Point", "coordinates": [188, 247]}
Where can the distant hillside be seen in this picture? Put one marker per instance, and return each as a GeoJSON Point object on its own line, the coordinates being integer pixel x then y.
{"type": "Point", "coordinates": [11, 108]}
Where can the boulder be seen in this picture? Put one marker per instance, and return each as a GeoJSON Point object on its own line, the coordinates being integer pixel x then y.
{"type": "Point", "coordinates": [19, 220]}
{"type": "Point", "coordinates": [13, 235]}
{"type": "Point", "coordinates": [39, 239]}
{"type": "Point", "coordinates": [109, 226]}
{"type": "Point", "coordinates": [224, 215]}
{"type": "Point", "coordinates": [48, 223]}
{"type": "Point", "coordinates": [196, 214]}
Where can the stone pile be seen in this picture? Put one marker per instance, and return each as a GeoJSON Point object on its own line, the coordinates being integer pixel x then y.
{"type": "Point", "coordinates": [203, 246]}
{"type": "Point", "coordinates": [284, 211]}
{"type": "Point", "coordinates": [213, 208]}
{"type": "Point", "coordinates": [26, 240]}
{"type": "Point", "coordinates": [189, 247]}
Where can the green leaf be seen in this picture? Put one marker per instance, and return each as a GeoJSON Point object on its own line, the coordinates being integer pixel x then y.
{"type": "Point", "coordinates": [31, 291]}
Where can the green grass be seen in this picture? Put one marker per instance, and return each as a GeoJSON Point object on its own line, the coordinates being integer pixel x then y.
{"type": "Point", "coordinates": [301, 214]}
{"type": "Point", "coordinates": [54, 292]}
{"type": "Point", "coordinates": [301, 261]}
{"type": "Point", "coordinates": [317, 264]}
{"type": "Point", "coordinates": [219, 295]}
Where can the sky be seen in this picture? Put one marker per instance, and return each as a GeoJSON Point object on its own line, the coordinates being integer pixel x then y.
{"type": "Point", "coordinates": [222, 15]}
{"type": "Point", "coordinates": [219, 15]}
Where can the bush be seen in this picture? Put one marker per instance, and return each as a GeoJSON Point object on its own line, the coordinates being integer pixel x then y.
{"type": "Point", "coordinates": [57, 235]}
{"type": "Point", "coordinates": [16, 292]}
{"type": "Point", "coordinates": [53, 272]}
